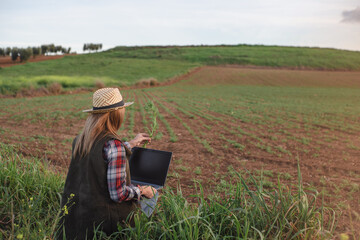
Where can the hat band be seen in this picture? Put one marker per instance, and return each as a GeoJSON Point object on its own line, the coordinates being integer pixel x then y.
{"type": "Point", "coordinates": [119, 104]}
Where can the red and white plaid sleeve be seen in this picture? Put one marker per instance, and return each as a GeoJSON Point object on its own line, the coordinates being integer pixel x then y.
{"type": "Point", "coordinates": [115, 155]}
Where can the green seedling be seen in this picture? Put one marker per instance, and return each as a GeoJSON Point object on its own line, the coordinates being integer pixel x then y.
{"type": "Point", "coordinates": [197, 171]}
{"type": "Point", "coordinates": [153, 112]}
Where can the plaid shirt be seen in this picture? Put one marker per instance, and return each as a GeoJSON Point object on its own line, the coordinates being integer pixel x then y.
{"type": "Point", "coordinates": [114, 154]}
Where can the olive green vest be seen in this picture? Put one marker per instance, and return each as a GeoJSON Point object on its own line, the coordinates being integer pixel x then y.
{"type": "Point", "coordinates": [86, 202]}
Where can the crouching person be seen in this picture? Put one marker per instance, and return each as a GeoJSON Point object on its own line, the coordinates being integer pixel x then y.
{"type": "Point", "coordinates": [98, 193]}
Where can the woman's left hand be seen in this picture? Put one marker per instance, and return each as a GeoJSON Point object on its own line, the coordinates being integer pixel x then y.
{"type": "Point", "coordinates": [141, 138]}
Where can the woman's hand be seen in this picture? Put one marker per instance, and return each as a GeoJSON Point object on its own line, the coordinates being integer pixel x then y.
{"type": "Point", "coordinates": [147, 191]}
{"type": "Point", "coordinates": [141, 138]}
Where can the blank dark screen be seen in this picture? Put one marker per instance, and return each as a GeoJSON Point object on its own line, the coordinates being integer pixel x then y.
{"type": "Point", "coordinates": [150, 166]}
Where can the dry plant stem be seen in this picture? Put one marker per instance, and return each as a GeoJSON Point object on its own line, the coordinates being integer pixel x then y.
{"type": "Point", "coordinates": [12, 218]}
{"type": "Point", "coordinates": [55, 222]}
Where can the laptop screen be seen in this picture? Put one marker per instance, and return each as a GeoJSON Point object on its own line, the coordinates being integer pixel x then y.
{"type": "Point", "coordinates": [149, 165]}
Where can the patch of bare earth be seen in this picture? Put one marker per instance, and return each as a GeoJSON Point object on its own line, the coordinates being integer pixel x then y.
{"type": "Point", "coordinates": [214, 75]}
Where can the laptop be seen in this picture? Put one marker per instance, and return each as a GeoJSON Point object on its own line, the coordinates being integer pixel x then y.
{"type": "Point", "coordinates": [149, 167]}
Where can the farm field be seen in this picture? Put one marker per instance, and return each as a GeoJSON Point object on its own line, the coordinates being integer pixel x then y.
{"type": "Point", "coordinates": [124, 66]}
{"type": "Point", "coordinates": [255, 55]}
{"type": "Point", "coordinates": [219, 118]}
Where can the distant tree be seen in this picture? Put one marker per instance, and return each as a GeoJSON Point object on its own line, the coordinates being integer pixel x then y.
{"type": "Point", "coordinates": [33, 51]}
{"type": "Point", "coordinates": [58, 48]}
{"type": "Point", "coordinates": [14, 53]}
{"type": "Point", "coordinates": [36, 51]}
{"type": "Point", "coordinates": [25, 54]}
{"type": "Point", "coordinates": [44, 49]}
{"type": "Point", "coordinates": [52, 48]}
{"type": "Point", "coordinates": [7, 51]}
{"type": "Point", "coordinates": [92, 47]}
{"type": "Point", "coordinates": [87, 46]}
{"type": "Point", "coordinates": [98, 46]}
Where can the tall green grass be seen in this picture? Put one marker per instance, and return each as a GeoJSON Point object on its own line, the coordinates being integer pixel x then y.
{"type": "Point", "coordinates": [29, 196]}
{"type": "Point", "coordinates": [244, 209]}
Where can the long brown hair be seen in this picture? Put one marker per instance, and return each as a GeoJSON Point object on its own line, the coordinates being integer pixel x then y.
{"type": "Point", "coordinates": [98, 125]}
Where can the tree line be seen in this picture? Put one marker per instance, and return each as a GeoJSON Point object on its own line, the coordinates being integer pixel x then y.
{"type": "Point", "coordinates": [25, 53]}
{"type": "Point", "coordinates": [92, 46]}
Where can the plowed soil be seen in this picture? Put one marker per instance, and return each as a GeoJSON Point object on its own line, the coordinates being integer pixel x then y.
{"type": "Point", "coordinates": [333, 168]}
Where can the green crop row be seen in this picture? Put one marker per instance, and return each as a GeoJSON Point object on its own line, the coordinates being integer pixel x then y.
{"type": "Point", "coordinates": [173, 137]}
{"type": "Point", "coordinates": [131, 116]}
{"type": "Point", "coordinates": [141, 103]}
{"type": "Point", "coordinates": [222, 125]}
{"type": "Point", "coordinates": [299, 114]}
{"type": "Point", "coordinates": [204, 142]}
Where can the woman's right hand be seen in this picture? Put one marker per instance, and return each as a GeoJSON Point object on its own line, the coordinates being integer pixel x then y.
{"type": "Point", "coordinates": [147, 191]}
{"type": "Point", "coordinates": [141, 138]}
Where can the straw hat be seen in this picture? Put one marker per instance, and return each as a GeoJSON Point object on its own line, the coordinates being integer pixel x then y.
{"type": "Point", "coordinates": [107, 100]}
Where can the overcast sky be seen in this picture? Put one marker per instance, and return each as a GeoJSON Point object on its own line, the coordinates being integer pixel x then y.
{"type": "Point", "coordinates": [71, 23]}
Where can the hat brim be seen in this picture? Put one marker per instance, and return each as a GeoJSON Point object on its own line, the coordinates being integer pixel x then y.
{"type": "Point", "coordinates": [108, 109]}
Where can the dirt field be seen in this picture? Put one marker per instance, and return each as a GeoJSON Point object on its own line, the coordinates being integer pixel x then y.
{"type": "Point", "coordinates": [214, 137]}
{"type": "Point", "coordinates": [7, 62]}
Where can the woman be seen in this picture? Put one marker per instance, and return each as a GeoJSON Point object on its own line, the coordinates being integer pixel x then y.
{"type": "Point", "coordinates": [98, 192]}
